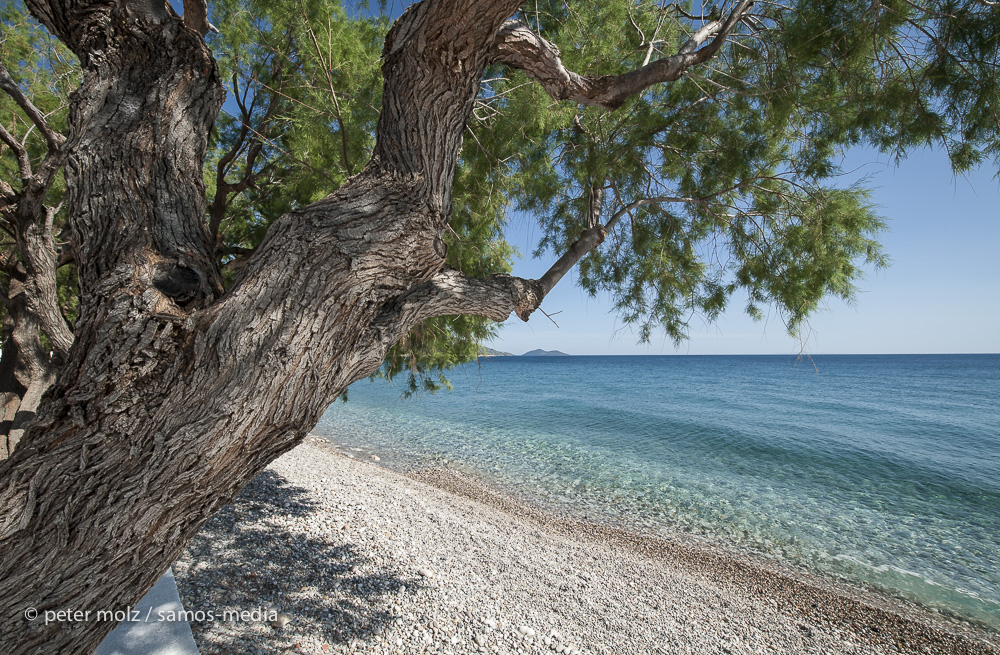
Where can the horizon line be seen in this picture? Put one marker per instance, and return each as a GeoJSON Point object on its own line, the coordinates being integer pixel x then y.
{"type": "Point", "coordinates": [855, 354]}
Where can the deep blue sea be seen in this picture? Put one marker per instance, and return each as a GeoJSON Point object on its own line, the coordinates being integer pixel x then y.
{"type": "Point", "coordinates": [880, 469]}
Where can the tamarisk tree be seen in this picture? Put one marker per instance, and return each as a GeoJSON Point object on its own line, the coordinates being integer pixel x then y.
{"type": "Point", "coordinates": [36, 333]}
{"type": "Point", "coordinates": [674, 156]}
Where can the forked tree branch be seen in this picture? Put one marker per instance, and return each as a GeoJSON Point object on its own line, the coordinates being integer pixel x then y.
{"type": "Point", "coordinates": [20, 153]}
{"type": "Point", "coordinates": [451, 292]}
{"type": "Point", "coordinates": [517, 46]}
{"type": "Point", "coordinates": [10, 87]}
{"type": "Point", "coordinates": [224, 189]}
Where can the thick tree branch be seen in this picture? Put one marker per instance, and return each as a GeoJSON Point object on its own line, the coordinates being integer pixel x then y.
{"type": "Point", "coordinates": [196, 16]}
{"type": "Point", "coordinates": [592, 236]}
{"type": "Point", "coordinates": [590, 239]}
{"type": "Point", "coordinates": [451, 292]}
{"type": "Point", "coordinates": [517, 46]}
{"type": "Point", "coordinates": [434, 58]}
{"type": "Point", "coordinates": [35, 270]}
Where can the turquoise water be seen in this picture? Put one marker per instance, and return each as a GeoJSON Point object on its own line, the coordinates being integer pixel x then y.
{"type": "Point", "coordinates": [883, 470]}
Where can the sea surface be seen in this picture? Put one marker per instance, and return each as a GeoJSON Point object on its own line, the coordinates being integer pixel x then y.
{"type": "Point", "coordinates": [883, 470]}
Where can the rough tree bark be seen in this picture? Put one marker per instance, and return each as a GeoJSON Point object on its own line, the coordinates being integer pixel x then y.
{"type": "Point", "coordinates": [27, 368]}
{"type": "Point", "coordinates": [174, 393]}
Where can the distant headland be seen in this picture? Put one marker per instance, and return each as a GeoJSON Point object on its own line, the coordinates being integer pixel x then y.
{"type": "Point", "coordinates": [490, 352]}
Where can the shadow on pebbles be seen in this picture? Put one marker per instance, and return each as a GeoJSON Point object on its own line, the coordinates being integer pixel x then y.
{"type": "Point", "coordinates": [323, 553]}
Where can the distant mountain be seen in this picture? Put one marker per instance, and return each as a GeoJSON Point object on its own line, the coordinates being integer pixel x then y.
{"type": "Point", "coordinates": [545, 353]}
{"type": "Point", "coordinates": [489, 352]}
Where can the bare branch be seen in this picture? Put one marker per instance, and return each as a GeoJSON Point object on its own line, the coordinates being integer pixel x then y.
{"type": "Point", "coordinates": [217, 209]}
{"type": "Point", "coordinates": [226, 159]}
{"type": "Point", "coordinates": [333, 92]}
{"type": "Point", "coordinates": [10, 87]}
{"type": "Point", "coordinates": [451, 292]}
{"type": "Point", "coordinates": [517, 46]}
{"type": "Point", "coordinates": [23, 161]}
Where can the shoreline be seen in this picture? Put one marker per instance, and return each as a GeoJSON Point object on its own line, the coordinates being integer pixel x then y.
{"type": "Point", "coordinates": [360, 558]}
{"type": "Point", "coordinates": [793, 588]}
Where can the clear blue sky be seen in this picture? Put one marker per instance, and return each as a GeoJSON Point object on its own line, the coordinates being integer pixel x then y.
{"type": "Point", "coordinates": [940, 295]}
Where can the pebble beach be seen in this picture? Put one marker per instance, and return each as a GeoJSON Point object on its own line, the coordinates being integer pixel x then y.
{"type": "Point", "coordinates": [326, 553]}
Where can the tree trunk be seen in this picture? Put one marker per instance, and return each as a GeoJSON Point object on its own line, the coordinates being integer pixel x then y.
{"type": "Point", "coordinates": [174, 395]}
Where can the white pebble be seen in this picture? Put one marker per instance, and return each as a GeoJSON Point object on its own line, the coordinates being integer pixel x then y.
{"type": "Point", "coordinates": [281, 620]}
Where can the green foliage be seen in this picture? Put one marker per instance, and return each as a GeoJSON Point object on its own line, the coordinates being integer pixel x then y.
{"type": "Point", "coordinates": [44, 68]}
{"type": "Point", "coordinates": [724, 182]}
{"type": "Point", "coordinates": [433, 347]}
{"type": "Point", "coordinates": [47, 73]}
{"type": "Point", "coordinates": [308, 76]}
{"type": "Point", "coordinates": [736, 164]}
